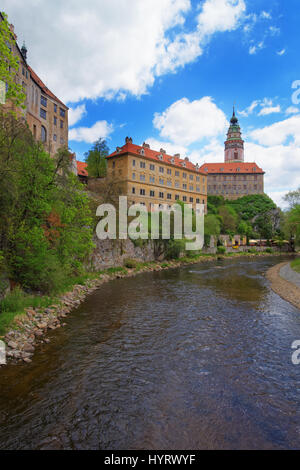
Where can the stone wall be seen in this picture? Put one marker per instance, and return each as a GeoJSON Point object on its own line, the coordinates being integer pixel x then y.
{"type": "Point", "coordinates": [110, 253]}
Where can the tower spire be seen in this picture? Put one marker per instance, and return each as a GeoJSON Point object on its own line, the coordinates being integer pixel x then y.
{"type": "Point", "coordinates": [234, 145]}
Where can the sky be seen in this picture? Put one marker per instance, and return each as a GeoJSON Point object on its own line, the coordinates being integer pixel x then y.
{"type": "Point", "coordinates": [168, 72]}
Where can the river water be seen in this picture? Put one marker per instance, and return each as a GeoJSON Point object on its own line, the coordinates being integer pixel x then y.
{"type": "Point", "coordinates": [191, 358]}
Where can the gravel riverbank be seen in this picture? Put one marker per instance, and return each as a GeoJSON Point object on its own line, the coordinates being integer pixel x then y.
{"type": "Point", "coordinates": [285, 283]}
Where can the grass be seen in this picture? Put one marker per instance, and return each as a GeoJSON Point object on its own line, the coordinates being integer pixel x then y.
{"type": "Point", "coordinates": [296, 265]}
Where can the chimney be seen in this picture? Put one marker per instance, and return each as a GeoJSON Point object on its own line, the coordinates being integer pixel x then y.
{"type": "Point", "coordinates": [162, 151]}
{"type": "Point", "coordinates": [146, 146]}
{"type": "Point", "coordinates": [24, 51]}
{"type": "Point", "coordinates": [128, 140]}
{"type": "Point", "coordinates": [177, 155]}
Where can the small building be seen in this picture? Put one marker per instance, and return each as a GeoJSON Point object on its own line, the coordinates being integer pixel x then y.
{"type": "Point", "coordinates": [82, 172]}
{"type": "Point", "coordinates": [234, 177]}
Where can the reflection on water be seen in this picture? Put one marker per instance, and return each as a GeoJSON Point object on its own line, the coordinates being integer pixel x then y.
{"type": "Point", "coordinates": [192, 358]}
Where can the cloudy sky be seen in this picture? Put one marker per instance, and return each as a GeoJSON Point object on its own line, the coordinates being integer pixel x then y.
{"type": "Point", "coordinates": [168, 72]}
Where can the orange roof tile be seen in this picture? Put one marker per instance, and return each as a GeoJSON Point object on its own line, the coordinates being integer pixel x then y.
{"type": "Point", "coordinates": [234, 167]}
{"type": "Point", "coordinates": [154, 155]}
{"type": "Point", "coordinates": [82, 169]}
{"type": "Point", "coordinates": [41, 84]}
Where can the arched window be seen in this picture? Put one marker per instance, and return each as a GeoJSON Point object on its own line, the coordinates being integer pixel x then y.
{"type": "Point", "coordinates": [43, 134]}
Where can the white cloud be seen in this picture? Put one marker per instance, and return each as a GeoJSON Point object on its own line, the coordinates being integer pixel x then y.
{"type": "Point", "coordinates": [250, 109]}
{"type": "Point", "coordinates": [279, 132]}
{"type": "Point", "coordinates": [185, 122]}
{"type": "Point", "coordinates": [255, 48]}
{"type": "Point", "coordinates": [91, 134]}
{"type": "Point", "coordinates": [269, 110]}
{"type": "Point", "coordinates": [265, 15]}
{"type": "Point", "coordinates": [292, 110]}
{"type": "Point", "coordinates": [281, 52]}
{"type": "Point", "coordinates": [109, 48]}
{"type": "Point", "coordinates": [76, 114]}
{"type": "Point", "coordinates": [169, 147]}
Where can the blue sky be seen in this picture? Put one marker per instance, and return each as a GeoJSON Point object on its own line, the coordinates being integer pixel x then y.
{"type": "Point", "coordinates": [168, 72]}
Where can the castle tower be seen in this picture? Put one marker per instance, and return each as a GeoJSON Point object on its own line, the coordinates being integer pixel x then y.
{"type": "Point", "coordinates": [234, 145]}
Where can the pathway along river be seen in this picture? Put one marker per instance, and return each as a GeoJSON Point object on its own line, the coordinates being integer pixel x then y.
{"type": "Point", "coordinates": [192, 358]}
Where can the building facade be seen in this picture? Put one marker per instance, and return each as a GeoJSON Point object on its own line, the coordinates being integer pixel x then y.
{"type": "Point", "coordinates": [150, 177]}
{"type": "Point", "coordinates": [234, 178]}
{"type": "Point", "coordinates": [45, 114]}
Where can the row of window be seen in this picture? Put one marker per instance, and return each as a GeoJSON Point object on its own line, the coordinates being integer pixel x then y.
{"type": "Point", "coordinates": [161, 195]}
{"type": "Point", "coordinates": [225, 186]}
{"type": "Point", "coordinates": [44, 135]}
{"type": "Point", "coordinates": [43, 114]}
{"type": "Point", "coordinates": [44, 101]}
{"type": "Point", "coordinates": [234, 177]}
{"type": "Point", "coordinates": [168, 182]}
{"type": "Point", "coordinates": [168, 170]}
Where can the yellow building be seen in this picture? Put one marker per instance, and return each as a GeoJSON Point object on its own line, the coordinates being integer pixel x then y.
{"type": "Point", "coordinates": [151, 177]}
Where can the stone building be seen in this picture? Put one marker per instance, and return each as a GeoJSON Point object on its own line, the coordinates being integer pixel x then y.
{"type": "Point", "coordinates": [151, 177]}
{"type": "Point", "coordinates": [45, 114]}
{"type": "Point", "coordinates": [234, 178]}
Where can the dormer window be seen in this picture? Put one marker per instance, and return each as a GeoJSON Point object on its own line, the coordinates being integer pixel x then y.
{"type": "Point", "coordinates": [142, 152]}
{"type": "Point", "coordinates": [184, 164]}
{"type": "Point", "coordinates": [173, 160]}
{"type": "Point", "coordinates": [160, 157]}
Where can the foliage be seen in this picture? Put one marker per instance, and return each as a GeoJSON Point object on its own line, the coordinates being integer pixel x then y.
{"type": "Point", "coordinates": [9, 64]}
{"type": "Point", "coordinates": [221, 250]}
{"type": "Point", "coordinates": [296, 265]}
{"type": "Point", "coordinates": [46, 225]}
{"type": "Point", "coordinates": [175, 248]}
{"type": "Point", "coordinates": [229, 219]}
{"type": "Point", "coordinates": [96, 159]}
{"type": "Point", "coordinates": [293, 198]}
{"type": "Point", "coordinates": [130, 263]}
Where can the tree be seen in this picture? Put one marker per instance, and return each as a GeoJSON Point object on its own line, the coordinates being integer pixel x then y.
{"type": "Point", "coordinates": [95, 158]}
{"type": "Point", "coordinates": [212, 227]}
{"type": "Point", "coordinates": [293, 198]}
{"type": "Point", "coordinates": [9, 64]}
{"type": "Point", "coordinates": [229, 219]}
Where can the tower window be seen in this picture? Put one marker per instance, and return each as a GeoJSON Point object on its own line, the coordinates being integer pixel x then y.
{"type": "Point", "coordinates": [43, 134]}
{"type": "Point", "coordinates": [236, 155]}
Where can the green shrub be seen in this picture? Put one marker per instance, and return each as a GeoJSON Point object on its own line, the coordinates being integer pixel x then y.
{"type": "Point", "coordinates": [221, 250]}
{"type": "Point", "coordinates": [175, 248]}
{"type": "Point", "coordinates": [130, 263]}
{"type": "Point", "coordinates": [252, 250]}
{"type": "Point", "coordinates": [269, 250]}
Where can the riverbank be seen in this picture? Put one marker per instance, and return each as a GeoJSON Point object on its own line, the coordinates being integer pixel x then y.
{"type": "Point", "coordinates": [26, 331]}
{"type": "Point", "coordinates": [288, 290]}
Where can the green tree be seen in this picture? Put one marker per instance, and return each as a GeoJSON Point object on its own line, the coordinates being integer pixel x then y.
{"type": "Point", "coordinates": [9, 64]}
{"type": "Point", "coordinates": [229, 219]}
{"type": "Point", "coordinates": [212, 227]}
{"type": "Point", "coordinates": [95, 158]}
{"type": "Point", "coordinates": [293, 198]}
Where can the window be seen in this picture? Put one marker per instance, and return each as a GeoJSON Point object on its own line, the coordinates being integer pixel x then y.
{"type": "Point", "coordinates": [184, 175]}
{"type": "Point", "coordinates": [152, 167]}
{"type": "Point", "coordinates": [34, 131]}
{"type": "Point", "coordinates": [176, 197]}
{"type": "Point", "coordinates": [133, 190]}
{"type": "Point", "coordinates": [44, 101]}
{"type": "Point", "coordinates": [133, 176]}
{"type": "Point", "coordinates": [43, 113]}
{"type": "Point", "coordinates": [198, 189]}
{"type": "Point", "coordinates": [191, 187]}
{"type": "Point", "coordinates": [191, 199]}
{"type": "Point", "coordinates": [152, 193]}
{"type": "Point", "coordinates": [61, 124]}
{"type": "Point", "coordinates": [169, 171]}
{"type": "Point", "coordinates": [176, 173]}
{"type": "Point", "coordinates": [169, 183]}
{"type": "Point", "coordinates": [236, 156]}
{"type": "Point", "coordinates": [114, 164]}
{"type": "Point", "coordinates": [184, 186]}
{"type": "Point", "coordinates": [184, 198]}
{"type": "Point", "coordinates": [62, 112]}
{"type": "Point", "coordinates": [198, 178]}
{"type": "Point", "coordinates": [55, 121]}
{"type": "Point", "coordinates": [142, 178]}
{"type": "Point", "coordinates": [161, 195]}
{"type": "Point", "coordinates": [55, 108]}
{"type": "Point", "coordinates": [177, 184]}
{"type": "Point", "coordinates": [169, 196]}
{"type": "Point", "coordinates": [191, 177]}
{"type": "Point", "coordinates": [55, 137]}
{"type": "Point", "coordinates": [142, 192]}
{"type": "Point", "coordinates": [133, 162]}
{"type": "Point", "coordinates": [62, 140]}
{"type": "Point", "coordinates": [161, 181]}
{"type": "Point", "coordinates": [43, 134]}
{"type": "Point", "coordinates": [152, 179]}
{"type": "Point", "coordinates": [142, 165]}
{"type": "Point", "coordinates": [161, 169]}
{"type": "Point", "coordinates": [198, 201]}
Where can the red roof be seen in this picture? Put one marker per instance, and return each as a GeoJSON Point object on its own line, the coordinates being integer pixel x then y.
{"type": "Point", "coordinates": [234, 167]}
{"type": "Point", "coordinates": [82, 169]}
{"type": "Point", "coordinates": [41, 84]}
{"type": "Point", "coordinates": [154, 155]}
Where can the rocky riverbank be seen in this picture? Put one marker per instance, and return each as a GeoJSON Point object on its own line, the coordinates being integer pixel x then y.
{"type": "Point", "coordinates": [286, 289]}
{"type": "Point", "coordinates": [30, 329]}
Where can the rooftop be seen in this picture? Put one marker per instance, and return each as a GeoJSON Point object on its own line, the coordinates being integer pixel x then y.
{"type": "Point", "coordinates": [82, 169]}
{"type": "Point", "coordinates": [234, 167]}
{"type": "Point", "coordinates": [43, 87]}
{"type": "Point", "coordinates": [161, 156]}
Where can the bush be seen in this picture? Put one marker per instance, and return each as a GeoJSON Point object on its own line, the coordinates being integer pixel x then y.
{"type": "Point", "coordinates": [130, 263]}
{"type": "Point", "coordinates": [175, 248]}
{"type": "Point", "coordinates": [221, 250]}
{"type": "Point", "coordinates": [252, 250]}
{"type": "Point", "coordinates": [269, 250]}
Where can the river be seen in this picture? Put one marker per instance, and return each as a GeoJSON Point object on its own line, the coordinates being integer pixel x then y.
{"type": "Point", "coordinates": [197, 357]}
